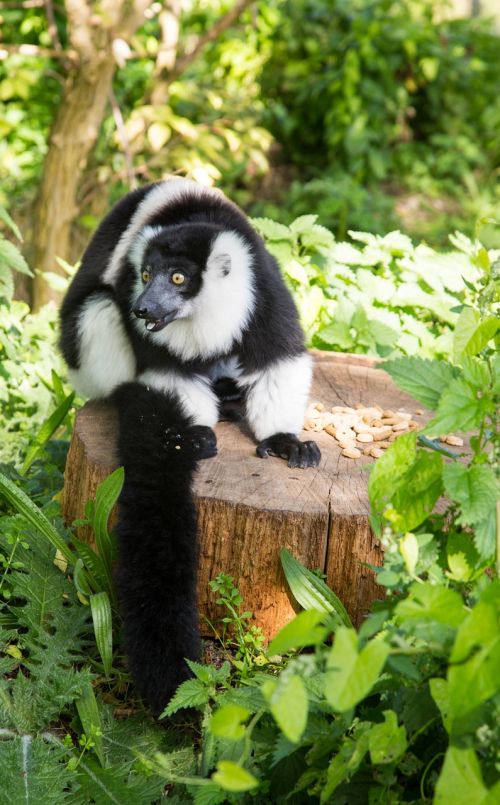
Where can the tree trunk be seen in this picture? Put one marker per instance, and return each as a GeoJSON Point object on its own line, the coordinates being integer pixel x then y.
{"type": "Point", "coordinates": [72, 139]}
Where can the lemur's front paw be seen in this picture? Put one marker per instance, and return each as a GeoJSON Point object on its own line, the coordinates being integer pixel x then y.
{"type": "Point", "coordinates": [287, 446]}
{"type": "Point", "coordinates": [200, 440]}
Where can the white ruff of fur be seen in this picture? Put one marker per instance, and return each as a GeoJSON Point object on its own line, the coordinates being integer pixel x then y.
{"type": "Point", "coordinates": [277, 397]}
{"type": "Point", "coordinates": [194, 394]}
{"type": "Point", "coordinates": [106, 357]}
{"type": "Point", "coordinates": [136, 253]}
{"type": "Point", "coordinates": [154, 202]}
{"type": "Point", "coordinates": [213, 320]}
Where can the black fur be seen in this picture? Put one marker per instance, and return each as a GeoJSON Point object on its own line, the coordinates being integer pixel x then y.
{"type": "Point", "coordinates": [156, 577]}
{"type": "Point", "coordinates": [287, 446]}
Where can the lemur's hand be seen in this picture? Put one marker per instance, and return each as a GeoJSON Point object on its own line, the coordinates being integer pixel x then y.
{"type": "Point", "coordinates": [200, 440]}
{"type": "Point", "coordinates": [287, 446]}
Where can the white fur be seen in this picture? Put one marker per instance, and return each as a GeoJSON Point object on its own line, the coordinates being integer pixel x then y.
{"type": "Point", "coordinates": [136, 252]}
{"type": "Point", "coordinates": [216, 317]}
{"type": "Point", "coordinates": [194, 394]}
{"type": "Point", "coordinates": [106, 357]}
{"type": "Point", "coordinates": [157, 199]}
{"type": "Point", "coordinates": [277, 397]}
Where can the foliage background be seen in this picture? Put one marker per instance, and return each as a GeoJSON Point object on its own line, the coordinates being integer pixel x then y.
{"type": "Point", "coordinates": [333, 123]}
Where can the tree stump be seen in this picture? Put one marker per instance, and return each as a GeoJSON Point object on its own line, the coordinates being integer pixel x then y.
{"type": "Point", "coordinates": [250, 508]}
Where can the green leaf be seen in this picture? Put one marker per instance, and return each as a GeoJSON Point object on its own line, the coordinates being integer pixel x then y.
{"type": "Point", "coordinates": [34, 516]}
{"type": "Point", "coordinates": [389, 469]}
{"type": "Point", "coordinates": [460, 781]}
{"type": "Point", "coordinates": [428, 602]}
{"type": "Point", "coordinates": [474, 488]}
{"type": "Point", "coordinates": [5, 217]}
{"type": "Point", "coordinates": [474, 673]}
{"type": "Point", "coordinates": [90, 717]}
{"type": "Point", "coordinates": [387, 742]}
{"type": "Point", "coordinates": [191, 693]}
{"type": "Point", "coordinates": [271, 230]}
{"type": "Point", "coordinates": [476, 372]}
{"type": "Point", "coordinates": [460, 408]}
{"type": "Point", "coordinates": [485, 535]}
{"type": "Point", "coordinates": [106, 497]}
{"type": "Point", "coordinates": [352, 673]}
{"type": "Point", "coordinates": [416, 492]}
{"type": "Point", "coordinates": [289, 705]}
{"type": "Point", "coordinates": [46, 431]}
{"type": "Point", "coordinates": [424, 379]}
{"type": "Point", "coordinates": [439, 692]}
{"type": "Point", "coordinates": [232, 777]}
{"type": "Point", "coordinates": [103, 628]}
{"type": "Point", "coordinates": [464, 328]}
{"type": "Point", "coordinates": [303, 223]}
{"type": "Point", "coordinates": [227, 722]}
{"type": "Point", "coordinates": [12, 257]}
{"type": "Point", "coordinates": [302, 631]}
{"type": "Point", "coordinates": [482, 334]}
{"type": "Point", "coordinates": [310, 591]}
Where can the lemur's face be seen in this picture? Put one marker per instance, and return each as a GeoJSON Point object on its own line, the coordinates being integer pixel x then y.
{"type": "Point", "coordinates": [171, 276]}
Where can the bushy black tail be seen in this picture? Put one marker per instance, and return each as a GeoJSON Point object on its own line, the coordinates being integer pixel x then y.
{"type": "Point", "coordinates": [159, 448]}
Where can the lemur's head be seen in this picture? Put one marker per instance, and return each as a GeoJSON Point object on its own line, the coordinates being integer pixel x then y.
{"type": "Point", "coordinates": [173, 264]}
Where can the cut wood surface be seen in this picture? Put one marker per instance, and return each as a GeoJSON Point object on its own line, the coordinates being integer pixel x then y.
{"type": "Point", "coordinates": [249, 508]}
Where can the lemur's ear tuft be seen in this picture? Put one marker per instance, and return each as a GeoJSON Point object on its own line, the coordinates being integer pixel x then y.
{"type": "Point", "coordinates": [220, 263]}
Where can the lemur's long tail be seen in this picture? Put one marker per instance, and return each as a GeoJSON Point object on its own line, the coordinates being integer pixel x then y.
{"type": "Point", "coordinates": [159, 448]}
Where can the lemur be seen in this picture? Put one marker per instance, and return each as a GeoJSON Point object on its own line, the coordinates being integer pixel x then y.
{"type": "Point", "coordinates": [175, 292]}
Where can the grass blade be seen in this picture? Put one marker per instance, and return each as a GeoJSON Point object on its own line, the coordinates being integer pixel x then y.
{"type": "Point", "coordinates": [107, 494]}
{"type": "Point", "coordinates": [90, 717]}
{"type": "Point", "coordinates": [103, 628]}
{"type": "Point", "coordinates": [48, 428]}
{"type": "Point", "coordinates": [20, 501]}
{"type": "Point", "coordinates": [310, 591]}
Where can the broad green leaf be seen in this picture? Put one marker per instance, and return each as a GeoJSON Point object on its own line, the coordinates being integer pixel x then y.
{"type": "Point", "coordinates": [460, 781]}
{"type": "Point", "coordinates": [46, 431]}
{"type": "Point", "coordinates": [352, 673]}
{"type": "Point", "coordinates": [227, 722]}
{"type": "Point", "coordinates": [460, 408]}
{"type": "Point", "coordinates": [428, 602]}
{"type": "Point", "coordinates": [346, 761]}
{"type": "Point", "coordinates": [310, 591]}
{"type": "Point", "coordinates": [466, 324]}
{"type": "Point", "coordinates": [440, 693]}
{"type": "Point", "coordinates": [90, 717]}
{"type": "Point", "coordinates": [34, 516]}
{"type": "Point", "coordinates": [474, 488]}
{"type": "Point", "coordinates": [476, 372]}
{"type": "Point", "coordinates": [191, 693]}
{"type": "Point", "coordinates": [387, 741]}
{"type": "Point", "coordinates": [303, 630]}
{"type": "Point", "coordinates": [303, 223]}
{"type": "Point", "coordinates": [232, 777]}
{"type": "Point", "coordinates": [12, 257]}
{"type": "Point", "coordinates": [483, 333]}
{"type": "Point", "coordinates": [416, 492]}
{"type": "Point", "coordinates": [5, 217]}
{"type": "Point", "coordinates": [103, 628]}
{"type": "Point", "coordinates": [389, 469]}
{"type": "Point", "coordinates": [289, 705]}
{"type": "Point", "coordinates": [424, 379]}
{"type": "Point", "coordinates": [485, 535]}
{"type": "Point", "coordinates": [463, 559]}
{"type": "Point", "coordinates": [271, 230]}
{"type": "Point", "coordinates": [474, 673]}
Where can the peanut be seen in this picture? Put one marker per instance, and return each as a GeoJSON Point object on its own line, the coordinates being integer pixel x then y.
{"type": "Point", "coordinates": [364, 437]}
{"type": "Point", "coordinates": [351, 452]}
{"type": "Point", "coordinates": [454, 440]}
{"type": "Point", "coordinates": [402, 425]}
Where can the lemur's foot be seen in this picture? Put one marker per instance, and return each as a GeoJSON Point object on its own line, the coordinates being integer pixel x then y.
{"type": "Point", "coordinates": [287, 446]}
{"type": "Point", "coordinates": [200, 440]}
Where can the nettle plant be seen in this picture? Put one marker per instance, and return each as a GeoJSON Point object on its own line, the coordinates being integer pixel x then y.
{"type": "Point", "coordinates": [379, 295]}
{"type": "Point", "coordinates": [407, 708]}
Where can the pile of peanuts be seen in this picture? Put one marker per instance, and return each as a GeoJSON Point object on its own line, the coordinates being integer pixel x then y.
{"type": "Point", "coordinates": [364, 430]}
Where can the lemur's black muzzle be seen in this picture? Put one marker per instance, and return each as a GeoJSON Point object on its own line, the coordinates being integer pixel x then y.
{"type": "Point", "coordinates": [156, 304]}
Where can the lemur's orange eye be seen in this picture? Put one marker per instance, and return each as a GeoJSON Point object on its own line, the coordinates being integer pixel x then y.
{"type": "Point", "coordinates": [146, 276]}
{"type": "Point", "coordinates": [178, 278]}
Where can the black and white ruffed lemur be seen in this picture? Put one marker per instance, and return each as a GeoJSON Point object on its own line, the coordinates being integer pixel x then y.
{"type": "Point", "coordinates": [175, 292]}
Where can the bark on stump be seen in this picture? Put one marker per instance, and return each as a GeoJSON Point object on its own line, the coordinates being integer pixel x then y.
{"type": "Point", "coordinates": [249, 508]}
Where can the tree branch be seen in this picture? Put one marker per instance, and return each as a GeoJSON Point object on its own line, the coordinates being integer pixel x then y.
{"type": "Point", "coordinates": [122, 134]}
{"type": "Point", "coordinates": [52, 26]}
{"type": "Point", "coordinates": [222, 24]}
{"type": "Point", "coordinates": [35, 50]}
